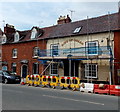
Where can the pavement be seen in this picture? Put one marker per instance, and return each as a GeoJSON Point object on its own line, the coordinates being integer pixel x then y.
{"type": "Point", "coordinates": [23, 97]}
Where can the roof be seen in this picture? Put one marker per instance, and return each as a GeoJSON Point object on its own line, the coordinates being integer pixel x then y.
{"type": "Point", "coordinates": [93, 25]}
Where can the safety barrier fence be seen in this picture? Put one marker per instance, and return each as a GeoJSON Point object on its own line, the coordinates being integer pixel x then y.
{"type": "Point", "coordinates": [72, 83]}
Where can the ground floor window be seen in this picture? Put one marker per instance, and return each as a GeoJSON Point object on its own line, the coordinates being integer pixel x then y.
{"type": "Point", "coordinates": [35, 68]}
{"type": "Point", "coordinates": [13, 66]}
{"type": "Point", "coordinates": [91, 70]}
{"type": "Point", "coordinates": [54, 69]}
{"type": "Point", "coordinates": [4, 67]}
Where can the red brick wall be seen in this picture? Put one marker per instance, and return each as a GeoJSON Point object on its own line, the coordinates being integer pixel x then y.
{"type": "Point", "coordinates": [116, 55]}
{"type": "Point", "coordinates": [25, 51]}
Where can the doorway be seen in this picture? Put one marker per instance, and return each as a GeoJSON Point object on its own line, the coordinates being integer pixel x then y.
{"type": "Point", "coordinates": [24, 71]}
{"type": "Point", "coordinates": [74, 68]}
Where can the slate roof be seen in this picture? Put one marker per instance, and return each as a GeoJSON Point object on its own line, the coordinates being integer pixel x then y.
{"type": "Point", "coordinates": [93, 25]}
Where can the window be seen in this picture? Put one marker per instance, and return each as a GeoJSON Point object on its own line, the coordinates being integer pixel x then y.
{"type": "Point", "coordinates": [35, 68]}
{"type": "Point", "coordinates": [4, 67]}
{"type": "Point", "coordinates": [13, 66]}
{"type": "Point", "coordinates": [77, 30]}
{"type": "Point", "coordinates": [4, 39]}
{"type": "Point", "coordinates": [14, 53]}
{"type": "Point", "coordinates": [33, 33]}
{"type": "Point", "coordinates": [92, 48]}
{"type": "Point", "coordinates": [54, 69]}
{"type": "Point", "coordinates": [16, 37]}
{"type": "Point", "coordinates": [36, 51]}
{"type": "Point", "coordinates": [54, 50]}
{"type": "Point", "coordinates": [91, 70]}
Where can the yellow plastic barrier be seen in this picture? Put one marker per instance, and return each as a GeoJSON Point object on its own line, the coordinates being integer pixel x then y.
{"type": "Point", "coordinates": [31, 80]}
{"type": "Point", "coordinates": [37, 80]}
{"type": "Point", "coordinates": [75, 83]}
{"type": "Point", "coordinates": [65, 82]}
{"type": "Point", "coordinates": [46, 80]}
{"type": "Point", "coordinates": [54, 81]}
{"type": "Point", "coordinates": [27, 79]}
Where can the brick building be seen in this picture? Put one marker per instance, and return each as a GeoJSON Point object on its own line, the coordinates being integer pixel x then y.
{"type": "Point", "coordinates": [20, 50]}
{"type": "Point", "coordinates": [66, 49]}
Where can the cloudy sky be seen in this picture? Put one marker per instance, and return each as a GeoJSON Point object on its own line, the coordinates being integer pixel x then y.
{"type": "Point", "coordinates": [25, 15]}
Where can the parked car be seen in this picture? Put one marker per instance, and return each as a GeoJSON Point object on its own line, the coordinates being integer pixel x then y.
{"type": "Point", "coordinates": [9, 77]}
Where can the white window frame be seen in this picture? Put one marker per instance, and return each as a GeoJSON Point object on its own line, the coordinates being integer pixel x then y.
{"type": "Point", "coordinates": [35, 51]}
{"type": "Point", "coordinates": [16, 37]}
{"type": "Point", "coordinates": [51, 69]}
{"type": "Point", "coordinates": [33, 33]}
{"type": "Point", "coordinates": [4, 39]}
{"type": "Point", "coordinates": [37, 69]}
{"type": "Point", "coordinates": [88, 71]}
{"type": "Point", "coordinates": [52, 50]}
{"type": "Point", "coordinates": [77, 30]}
{"type": "Point", "coordinates": [87, 48]}
{"type": "Point", "coordinates": [14, 53]}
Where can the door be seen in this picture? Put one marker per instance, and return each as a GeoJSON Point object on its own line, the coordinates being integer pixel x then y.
{"type": "Point", "coordinates": [24, 71]}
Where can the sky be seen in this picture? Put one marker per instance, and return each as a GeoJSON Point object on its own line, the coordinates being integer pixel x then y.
{"type": "Point", "coordinates": [25, 15]}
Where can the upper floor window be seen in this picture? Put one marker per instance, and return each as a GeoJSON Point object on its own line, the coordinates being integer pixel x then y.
{"type": "Point", "coordinates": [35, 68]}
{"type": "Point", "coordinates": [92, 48]}
{"type": "Point", "coordinates": [33, 33]}
{"type": "Point", "coordinates": [16, 37]}
{"type": "Point", "coordinates": [35, 51]}
{"type": "Point", "coordinates": [91, 70]}
{"type": "Point", "coordinates": [54, 50]}
{"type": "Point", "coordinates": [14, 53]}
{"type": "Point", "coordinates": [4, 39]}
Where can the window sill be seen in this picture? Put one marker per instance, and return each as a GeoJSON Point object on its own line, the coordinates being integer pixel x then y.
{"type": "Point", "coordinates": [35, 57]}
{"type": "Point", "coordinates": [91, 77]}
{"type": "Point", "coordinates": [14, 57]}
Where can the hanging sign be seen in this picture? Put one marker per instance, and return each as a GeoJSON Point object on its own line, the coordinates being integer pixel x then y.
{"type": "Point", "coordinates": [70, 40]}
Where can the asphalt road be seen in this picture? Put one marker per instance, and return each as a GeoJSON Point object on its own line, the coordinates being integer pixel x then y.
{"type": "Point", "coordinates": [22, 97]}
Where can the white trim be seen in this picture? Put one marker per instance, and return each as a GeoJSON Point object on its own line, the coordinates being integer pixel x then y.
{"type": "Point", "coordinates": [51, 47]}
{"type": "Point", "coordinates": [16, 37]}
{"type": "Point", "coordinates": [13, 52]}
{"type": "Point", "coordinates": [96, 42]}
{"type": "Point", "coordinates": [86, 76]}
{"type": "Point", "coordinates": [33, 33]}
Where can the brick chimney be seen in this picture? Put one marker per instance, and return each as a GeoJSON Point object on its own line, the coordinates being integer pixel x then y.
{"type": "Point", "coordinates": [9, 29]}
{"type": "Point", "coordinates": [63, 19]}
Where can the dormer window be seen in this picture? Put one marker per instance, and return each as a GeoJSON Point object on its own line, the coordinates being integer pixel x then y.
{"type": "Point", "coordinates": [33, 33]}
{"type": "Point", "coordinates": [4, 39]}
{"type": "Point", "coordinates": [16, 37]}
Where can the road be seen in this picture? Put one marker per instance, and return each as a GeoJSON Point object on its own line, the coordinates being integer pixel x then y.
{"type": "Point", "coordinates": [22, 97]}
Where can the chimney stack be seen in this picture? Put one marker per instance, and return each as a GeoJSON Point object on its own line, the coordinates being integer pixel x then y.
{"type": "Point", "coordinates": [63, 19]}
{"type": "Point", "coordinates": [9, 29]}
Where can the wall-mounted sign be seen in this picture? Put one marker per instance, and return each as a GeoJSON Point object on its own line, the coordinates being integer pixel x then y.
{"type": "Point", "coordinates": [70, 40]}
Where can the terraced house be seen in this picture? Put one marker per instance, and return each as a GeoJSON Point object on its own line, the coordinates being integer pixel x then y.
{"type": "Point", "coordinates": [88, 49]}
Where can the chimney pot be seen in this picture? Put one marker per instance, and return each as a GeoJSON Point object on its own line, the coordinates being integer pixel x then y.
{"type": "Point", "coordinates": [63, 19]}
